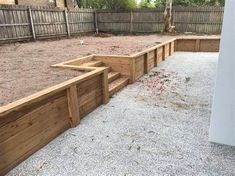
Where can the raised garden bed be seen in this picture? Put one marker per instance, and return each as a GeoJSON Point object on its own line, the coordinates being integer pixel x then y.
{"type": "Point", "coordinates": [30, 123]}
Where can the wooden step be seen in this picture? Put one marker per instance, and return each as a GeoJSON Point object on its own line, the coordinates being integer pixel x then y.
{"type": "Point", "coordinates": [93, 64]}
{"type": "Point", "coordinates": [117, 85]}
{"type": "Point", "coordinates": [113, 76]}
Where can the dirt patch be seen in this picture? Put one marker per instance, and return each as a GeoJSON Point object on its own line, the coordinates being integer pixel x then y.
{"type": "Point", "coordinates": [25, 67]}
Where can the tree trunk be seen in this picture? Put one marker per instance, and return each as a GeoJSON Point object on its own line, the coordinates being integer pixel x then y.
{"type": "Point", "coordinates": [168, 16]}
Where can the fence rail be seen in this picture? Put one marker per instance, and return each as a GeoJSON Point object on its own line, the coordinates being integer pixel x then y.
{"type": "Point", "coordinates": [21, 23]}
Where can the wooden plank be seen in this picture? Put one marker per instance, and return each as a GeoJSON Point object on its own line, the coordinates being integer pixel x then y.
{"type": "Point", "coordinates": [91, 105]}
{"type": "Point", "coordinates": [31, 24]}
{"type": "Point", "coordinates": [197, 45]}
{"type": "Point", "coordinates": [118, 64]}
{"type": "Point", "coordinates": [54, 110]}
{"type": "Point", "coordinates": [172, 49]}
{"type": "Point", "coordinates": [151, 58]}
{"type": "Point", "coordinates": [155, 57]}
{"type": "Point", "coordinates": [112, 76]}
{"type": "Point", "coordinates": [90, 92]}
{"type": "Point", "coordinates": [117, 85]}
{"type": "Point", "coordinates": [105, 87]}
{"type": "Point", "coordinates": [29, 132]}
{"type": "Point", "coordinates": [159, 55]}
{"type": "Point", "coordinates": [166, 50]}
{"type": "Point", "coordinates": [207, 45]}
{"type": "Point", "coordinates": [18, 121]}
{"type": "Point", "coordinates": [73, 106]}
{"type": "Point", "coordinates": [133, 70]}
{"type": "Point", "coordinates": [163, 53]}
{"type": "Point", "coordinates": [186, 45]}
{"type": "Point", "coordinates": [66, 22]}
{"type": "Point", "coordinates": [146, 63]}
{"type": "Point", "coordinates": [139, 66]}
{"type": "Point", "coordinates": [23, 151]}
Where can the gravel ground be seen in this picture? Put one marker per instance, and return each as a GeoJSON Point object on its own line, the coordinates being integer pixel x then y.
{"type": "Point", "coordinates": [25, 67]}
{"type": "Point", "coordinates": [157, 126]}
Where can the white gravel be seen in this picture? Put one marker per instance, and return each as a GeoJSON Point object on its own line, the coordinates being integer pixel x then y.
{"type": "Point", "coordinates": [157, 126]}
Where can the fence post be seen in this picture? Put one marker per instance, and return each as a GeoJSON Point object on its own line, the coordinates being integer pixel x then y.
{"type": "Point", "coordinates": [131, 21]}
{"type": "Point", "coordinates": [132, 69]}
{"type": "Point", "coordinates": [67, 22]}
{"type": "Point", "coordinates": [146, 63]}
{"type": "Point", "coordinates": [96, 22]}
{"type": "Point", "coordinates": [31, 23]}
{"type": "Point", "coordinates": [73, 106]}
{"type": "Point", "coordinates": [105, 87]}
{"type": "Point", "coordinates": [173, 17]}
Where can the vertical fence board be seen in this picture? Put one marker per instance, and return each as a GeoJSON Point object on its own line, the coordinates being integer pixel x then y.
{"type": "Point", "coordinates": [198, 19]}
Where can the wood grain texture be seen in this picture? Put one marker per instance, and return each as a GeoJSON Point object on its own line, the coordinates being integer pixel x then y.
{"type": "Point", "coordinates": [186, 45]}
{"type": "Point", "coordinates": [151, 57]}
{"type": "Point", "coordinates": [105, 85]}
{"type": "Point", "coordinates": [159, 55]}
{"type": "Point", "coordinates": [34, 127]}
{"type": "Point", "coordinates": [139, 66]}
{"type": "Point", "coordinates": [73, 106]}
{"type": "Point", "coordinates": [198, 44]}
{"type": "Point", "coordinates": [209, 45]}
{"type": "Point", "coordinates": [120, 64]}
{"type": "Point", "coordinates": [166, 50]}
{"type": "Point", "coordinates": [90, 93]}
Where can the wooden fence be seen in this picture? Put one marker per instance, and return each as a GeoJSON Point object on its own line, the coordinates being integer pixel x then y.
{"type": "Point", "coordinates": [139, 20]}
{"type": "Point", "coordinates": [27, 23]}
{"type": "Point", "coordinates": [198, 20]}
{"type": "Point", "coordinates": [22, 23]}
{"type": "Point", "coordinates": [186, 19]}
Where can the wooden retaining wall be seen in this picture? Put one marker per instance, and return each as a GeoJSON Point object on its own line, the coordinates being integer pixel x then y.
{"type": "Point", "coordinates": [150, 58]}
{"type": "Point", "coordinates": [30, 123]}
{"type": "Point", "coordinates": [197, 44]}
{"type": "Point", "coordinates": [120, 64]}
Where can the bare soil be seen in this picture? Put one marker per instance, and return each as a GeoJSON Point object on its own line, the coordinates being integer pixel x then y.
{"type": "Point", "coordinates": [25, 67]}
